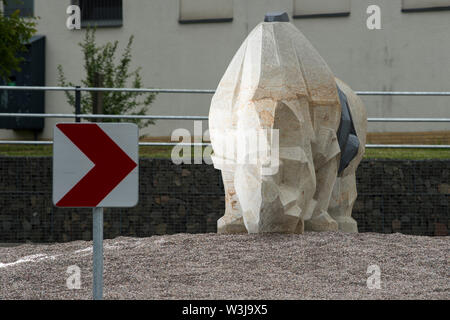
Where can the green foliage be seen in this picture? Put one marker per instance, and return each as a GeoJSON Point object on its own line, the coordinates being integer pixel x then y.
{"type": "Point", "coordinates": [15, 32]}
{"type": "Point", "coordinates": [101, 60]}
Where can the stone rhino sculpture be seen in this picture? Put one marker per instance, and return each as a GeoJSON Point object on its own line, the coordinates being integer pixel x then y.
{"type": "Point", "coordinates": [313, 125]}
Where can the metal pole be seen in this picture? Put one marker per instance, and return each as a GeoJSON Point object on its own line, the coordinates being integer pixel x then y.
{"type": "Point", "coordinates": [97, 236]}
{"type": "Point", "coordinates": [103, 116]}
{"type": "Point", "coordinates": [97, 97]}
{"type": "Point", "coordinates": [212, 91]}
{"type": "Point", "coordinates": [77, 103]}
{"type": "Point", "coordinates": [168, 144]}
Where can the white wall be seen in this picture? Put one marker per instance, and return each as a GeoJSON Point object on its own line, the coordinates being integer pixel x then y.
{"type": "Point", "coordinates": [410, 53]}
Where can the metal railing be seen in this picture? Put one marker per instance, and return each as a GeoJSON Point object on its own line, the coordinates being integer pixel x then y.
{"type": "Point", "coordinates": [168, 117]}
{"type": "Point", "coordinates": [205, 144]}
{"type": "Point", "coordinates": [211, 91]}
{"type": "Point", "coordinates": [77, 115]}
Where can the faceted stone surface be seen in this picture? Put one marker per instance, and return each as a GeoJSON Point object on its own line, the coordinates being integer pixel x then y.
{"type": "Point", "coordinates": [273, 123]}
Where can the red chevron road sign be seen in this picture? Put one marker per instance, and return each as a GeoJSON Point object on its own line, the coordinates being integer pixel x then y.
{"type": "Point", "coordinates": [95, 165]}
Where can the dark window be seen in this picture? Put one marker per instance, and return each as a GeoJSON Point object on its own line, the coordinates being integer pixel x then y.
{"type": "Point", "coordinates": [424, 6]}
{"type": "Point", "coordinates": [26, 7]}
{"type": "Point", "coordinates": [205, 11]}
{"type": "Point", "coordinates": [426, 9]}
{"type": "Point", "coordinates": [32, 73]}
{"type": "Point", "coordinates": [101, 13]}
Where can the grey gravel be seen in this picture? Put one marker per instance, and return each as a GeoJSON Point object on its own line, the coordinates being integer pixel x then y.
{"type": "Point", "coordinates": [330, 265]}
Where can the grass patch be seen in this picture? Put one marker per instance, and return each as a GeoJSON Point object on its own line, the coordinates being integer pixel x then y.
{"type": "Point", "coordinates": [407, 154]}
{"type": "Point", "coordinates": [155, 152]}
{"type": "Point", "coordinates": [158, 152]}
{"type": "Point", "coordinates": [26, 150]}
{"type": "Point", "coordinates": [164, 152]}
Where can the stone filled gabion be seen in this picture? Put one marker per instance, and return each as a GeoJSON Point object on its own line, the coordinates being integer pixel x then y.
{"type": "Point", "coordinates": [410, 197]}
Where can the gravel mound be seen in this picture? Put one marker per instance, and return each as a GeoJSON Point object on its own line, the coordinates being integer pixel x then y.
{"type": "Point", "coordinates": [329, 265]}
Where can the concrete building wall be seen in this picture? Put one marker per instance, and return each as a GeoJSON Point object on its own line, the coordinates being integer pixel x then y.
{"type": "Point", "coordinates": [409, 53]}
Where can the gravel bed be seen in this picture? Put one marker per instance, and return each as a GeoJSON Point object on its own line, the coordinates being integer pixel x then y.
{"type": "Point", "coordinates": [328, 265]}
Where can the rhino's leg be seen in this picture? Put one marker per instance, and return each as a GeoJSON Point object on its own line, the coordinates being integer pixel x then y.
{"type": "Point", "coordinates": [232, 221]}
{"type": "Point", "coordinates": [342, 201]}
{"type": "Point", "coordinates": [325, 179]}
{"type": "Point", "coordinates": [300, 226]}
{"type": "Point", "coordinates": [344, 195]}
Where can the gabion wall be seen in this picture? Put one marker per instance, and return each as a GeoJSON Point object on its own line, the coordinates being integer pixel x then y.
{"type": "Point", "coordinates": [410, 197]}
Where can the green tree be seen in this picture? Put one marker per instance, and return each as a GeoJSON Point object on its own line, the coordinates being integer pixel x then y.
{"type": "Point", "coordinates": [15, 32]}
{"type": "Point", "coordinates": [101, 60]}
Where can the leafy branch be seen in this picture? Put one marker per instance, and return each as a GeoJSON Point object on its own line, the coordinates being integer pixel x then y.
{"type": "Point", "coordinates": [100, 60]}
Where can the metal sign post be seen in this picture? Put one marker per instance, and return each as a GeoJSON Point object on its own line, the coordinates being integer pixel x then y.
{"type": "Point", "coordinates": [95, 165]}
{"type": "Point", "coordinates": [97, 236]}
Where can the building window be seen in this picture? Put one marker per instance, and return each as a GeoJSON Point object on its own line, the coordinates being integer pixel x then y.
{"type": "Point", "coordinates": [100, 13]}
{"type": "Point", "coordinates": [321, 8]}
{"type": "Point", "coordinates": [425, 5]}
{"type": "Point", "coordinates": [26, 7]}
{"type": "Point", "coordinates": [205, 11]}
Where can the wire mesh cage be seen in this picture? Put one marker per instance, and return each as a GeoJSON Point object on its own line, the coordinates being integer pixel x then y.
{"type": "Point", "coordinates": [410, 197]}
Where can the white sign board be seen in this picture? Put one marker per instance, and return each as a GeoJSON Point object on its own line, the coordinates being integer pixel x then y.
{"type": "Point", "coordinates": [95, 165]}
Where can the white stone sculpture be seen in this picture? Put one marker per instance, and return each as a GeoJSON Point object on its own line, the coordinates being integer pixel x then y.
{"type": "Point", "coordinates": [278, 89]}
